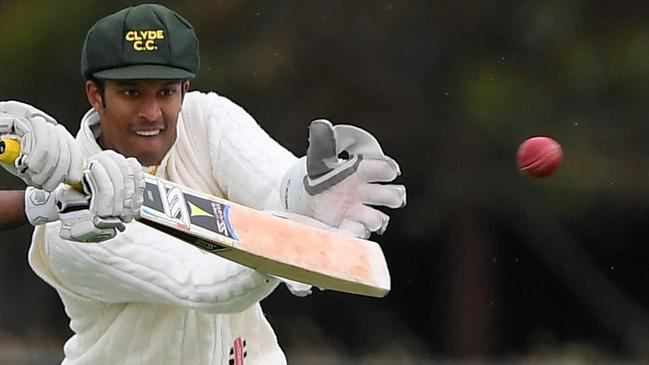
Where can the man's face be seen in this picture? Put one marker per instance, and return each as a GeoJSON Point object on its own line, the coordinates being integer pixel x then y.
{"type": "Point", "coordinates": [138, 117]}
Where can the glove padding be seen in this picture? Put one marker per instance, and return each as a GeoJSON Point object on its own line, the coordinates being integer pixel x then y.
{"type": "Point", "coordinates": [18, 109]}
{"type": "Point", "coordinates": [116, 186]}
{"type": "Point", "coordinates": [72, 208]}
{"type": "Point", "coordinates": [49, 154]}
{"type": "Point", "coordinates": [113, 194]}
{"type": "Point", "coordinates": [78, 223]}
{"type": "Point", "coordinates": [340, 191]}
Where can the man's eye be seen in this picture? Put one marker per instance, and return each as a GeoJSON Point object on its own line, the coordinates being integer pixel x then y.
{"type": "Point", "coordinates": [167, 92]}
{"type": "Point", "coordinates": [131, 93]}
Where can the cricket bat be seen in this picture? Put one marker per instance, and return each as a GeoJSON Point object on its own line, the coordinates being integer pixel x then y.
{"type": "Point", "coordinates": [269, 243]}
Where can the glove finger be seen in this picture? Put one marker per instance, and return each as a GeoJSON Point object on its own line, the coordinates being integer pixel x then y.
{"type": "Point", "coordinates": [102, 190]}
{"type": "Point", "coordinates": [356, 141]}
{"type": "Point", "coordinates": [116, 168]}
{"type": "Point", "coordinates": [134, 189]}
{"type": "Point", "coordinates": [140, 185]}
{"type": "Point", "coordinates": [354, 228]}
{"type": "Point", "coordinates": [44, 175]}
{"type": "Point", "coordinates": [35, 146]}
{"type": "Point", "coordinates": [86, 233]}
{"type": "Point", "coordinates": [296, 288]}
{"type": "Point", "coordinates": [383, 169]}
{"type": "Point", "coordinates": [321, 156]}
{"type": "Point", "coordinates": [11, 124]}
{"type": "Point", "coordinates": [75, 167]}
{"type": "Point", "coordinates": [56, 170]}
{"type": "Point", "coordinates": [23, 110]}
{"type": "Point", "coordinates": [391, 196]}
{"type": "Point", "coordinates": [373, 219]}
{"type": "Point", "coordinates": [129, 190]}
{"type": "Point", "coordinates": [108, 223]}
{"type": "Point", "coordinates": [21, 126]}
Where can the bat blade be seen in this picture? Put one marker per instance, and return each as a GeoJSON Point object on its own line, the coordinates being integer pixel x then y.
{"type": "Point", "coordinates": [264, 242]}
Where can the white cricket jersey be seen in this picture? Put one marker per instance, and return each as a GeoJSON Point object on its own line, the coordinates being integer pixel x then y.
{"type": "Point", "coordinates": [147, 298]}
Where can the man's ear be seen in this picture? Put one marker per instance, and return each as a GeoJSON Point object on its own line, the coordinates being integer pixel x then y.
{"type": "Point", "coordinates": [184, 88]}
{"type": "Point", "coordinates": [94, 95]}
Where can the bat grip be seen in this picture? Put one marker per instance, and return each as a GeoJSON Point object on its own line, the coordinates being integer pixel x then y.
{"type": "Point", "coordinates": [10, 151]}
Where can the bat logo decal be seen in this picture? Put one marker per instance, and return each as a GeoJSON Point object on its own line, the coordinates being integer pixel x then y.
{"type": "Point", "coordinates": [177, 206]}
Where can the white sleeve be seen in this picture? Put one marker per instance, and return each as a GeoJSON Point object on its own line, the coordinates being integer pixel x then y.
{"type": "Point", "coordinates": [144, 265]}
{"type": "Point", "coordinates": [247, 163]}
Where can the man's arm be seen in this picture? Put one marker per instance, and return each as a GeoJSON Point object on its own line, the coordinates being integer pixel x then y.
{"type": "Point", "coordinates": [12, 211]}
{"type": "Point", "coordinates": [253, 169]}
{"type": "Point", "coordinates": [147, 266]}
{"type": "Point", "coordinates": [115, 186]}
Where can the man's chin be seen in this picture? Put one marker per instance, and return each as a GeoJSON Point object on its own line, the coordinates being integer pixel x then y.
{"type": "Point", "coordinates": [149, 161]}
{"type": "Point", "coordinates": [147, 158]}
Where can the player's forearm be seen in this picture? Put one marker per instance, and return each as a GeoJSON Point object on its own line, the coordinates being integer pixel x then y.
{"type": "Point", "coordinates": [12, 209]}
{"type": "Point", "coordinates": [144, 265]}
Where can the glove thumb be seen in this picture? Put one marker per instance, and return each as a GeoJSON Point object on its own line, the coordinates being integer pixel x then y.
{"type": "Point", "coordinates": [321, 156]}
{"type": "Point", "coordinates": [326, 142]}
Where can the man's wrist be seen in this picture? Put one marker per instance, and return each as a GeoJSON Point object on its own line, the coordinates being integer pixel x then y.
{"type": "Point", "coordinates": [293, 196]}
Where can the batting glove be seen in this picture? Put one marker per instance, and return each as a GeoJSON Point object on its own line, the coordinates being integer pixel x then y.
{"type": "Point", "coordinates": [49, 154]}
{"type": "Point", "coordinates": [341, 191]}
{"type": "Point", "coordinates": [113, 194]}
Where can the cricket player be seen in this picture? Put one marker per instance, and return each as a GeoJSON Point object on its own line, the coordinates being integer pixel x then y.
{"type": "Point", "coordinates": [49, 156]}
{"type": "Point", "coordinates": [144, 297]}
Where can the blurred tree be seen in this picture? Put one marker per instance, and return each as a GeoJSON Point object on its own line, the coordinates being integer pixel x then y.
{"type": "Point", "coordinates": [485, 263]}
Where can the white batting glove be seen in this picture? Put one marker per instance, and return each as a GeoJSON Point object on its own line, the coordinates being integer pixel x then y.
{"type": "Point", "coordinates": [49, 154]}
{"type": "Point", "coordinates": [340, 192]}
{"type": "Point", "coordinates": [114, 189]}
{"type": "Point", "coordinates": [116, 186]}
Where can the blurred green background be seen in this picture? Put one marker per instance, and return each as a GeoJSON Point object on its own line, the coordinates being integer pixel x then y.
{"type": "Point", "coordinates": [487, 265]}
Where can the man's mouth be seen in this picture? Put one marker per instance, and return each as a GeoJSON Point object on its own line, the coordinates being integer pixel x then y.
{"type": "Point", "coordinates": [148, 133]}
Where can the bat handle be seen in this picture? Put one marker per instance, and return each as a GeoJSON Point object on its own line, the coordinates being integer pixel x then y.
{"type": "Point", "coordinates": [10, 151]}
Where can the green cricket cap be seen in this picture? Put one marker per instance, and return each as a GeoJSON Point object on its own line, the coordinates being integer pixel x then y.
{"type": "Point", "coordinates": [147, 41]}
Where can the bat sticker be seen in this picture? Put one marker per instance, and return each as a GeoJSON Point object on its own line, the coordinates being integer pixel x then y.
{"type": "Point", "coordinates": [184, 211]}
{"type": "Point", "coordinates": [210, 215]}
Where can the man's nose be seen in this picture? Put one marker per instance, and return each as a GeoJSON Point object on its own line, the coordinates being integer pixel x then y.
{"type": "Point", "coordinates": [150, 109]}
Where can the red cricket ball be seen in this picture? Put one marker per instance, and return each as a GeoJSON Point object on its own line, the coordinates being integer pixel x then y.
{"type": "Point", "coordinates": [539, 156]}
